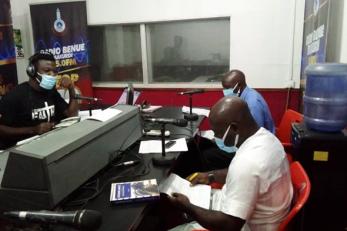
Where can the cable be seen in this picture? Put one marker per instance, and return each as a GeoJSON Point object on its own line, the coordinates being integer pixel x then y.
{"type": "Point", "coordinates": [99, 189]}
{"type": "Point", "coordinates": [95, 185]}
{"type": "Point", "coordinates": [121, 155]}
{"type": "Point", "coordinates": [120, 151]}
{"type": "Point", "coordinates": [108, 181]}
{"type": "Point", "coordinates": [82, 202]}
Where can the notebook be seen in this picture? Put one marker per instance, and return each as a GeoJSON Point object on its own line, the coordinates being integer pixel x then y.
{"type": "Point", "coordinates": [134, 191]}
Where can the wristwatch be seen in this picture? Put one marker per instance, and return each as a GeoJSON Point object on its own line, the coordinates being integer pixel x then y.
{"type": "Point", "coordinates": [211, 177]}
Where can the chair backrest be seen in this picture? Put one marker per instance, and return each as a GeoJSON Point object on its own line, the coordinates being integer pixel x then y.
{"type": "Point", "coordinates": [302, 188]}
{"type": "Point", "coordinates": [284, 129]}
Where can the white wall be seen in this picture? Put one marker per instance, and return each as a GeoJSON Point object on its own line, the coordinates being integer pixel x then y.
{"type": "Point", "coordinates": [261, 32]}
{"type": "Point", "coordinates": [343, 54]}
{"type": "Point", "coordinates": [20, 21]}
{"type": "Point", "coordinates": [265, 36]}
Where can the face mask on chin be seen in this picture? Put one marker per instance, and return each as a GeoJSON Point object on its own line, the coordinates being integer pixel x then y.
{"type": "Point", "coordinates": [221, 145]}
{"type": "Point", "coordinates": [47, 82]}
{"type": "Point", "coordinates": [230, 91]}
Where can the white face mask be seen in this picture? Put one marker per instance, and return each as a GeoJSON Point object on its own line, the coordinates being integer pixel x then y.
{"type": "Point", "coordinates": [47, 82]}
{"type": "Point", "coordinates": [230, 91]}
{"type": "Point", "coordinates": [221, 145]}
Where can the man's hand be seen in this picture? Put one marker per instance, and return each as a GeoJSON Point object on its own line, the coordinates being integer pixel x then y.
{"type": "Point", "coordinates": [43, 128]}
{"type": "Point", "coordinates": [198, 178]}
{"type": "Point", "coordinates": [180, 201]}
{"type": "Point", "coordinates": [66, 83]}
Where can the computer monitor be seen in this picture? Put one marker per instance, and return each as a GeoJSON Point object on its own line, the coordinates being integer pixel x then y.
{"type": "Point", "coordinates": [130, 94]}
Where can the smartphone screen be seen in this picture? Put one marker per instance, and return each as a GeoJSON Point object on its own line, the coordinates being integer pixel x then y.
{"type": "Point", "coordinates": [170, 144]}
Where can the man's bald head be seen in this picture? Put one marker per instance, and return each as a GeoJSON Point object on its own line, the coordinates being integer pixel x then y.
{"type": "Point", "coordinates": [233, 112]}
{"type": "Point", "coordinates": [232, 78]}
{"type": "Point", "coordinates": [228, 109]}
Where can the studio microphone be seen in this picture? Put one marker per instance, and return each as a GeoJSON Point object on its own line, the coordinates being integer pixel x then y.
{"type": "Point", "coordinates": [77, 96]}
{"type": "Point", "coordinates": [80, 219]}
{"type": "Point", "coordinates": [177, 122]}
{"type": "Point", "coordinates": [195, 91]}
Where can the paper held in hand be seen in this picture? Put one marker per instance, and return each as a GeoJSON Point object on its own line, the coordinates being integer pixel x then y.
{"type": "Point", "coordinates": [198, 195]}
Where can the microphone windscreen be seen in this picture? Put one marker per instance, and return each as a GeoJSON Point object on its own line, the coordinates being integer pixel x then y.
{"type": "Point", "coordinates": [182, 122]}
{"type": "Point", "coordinates": [90, 220]}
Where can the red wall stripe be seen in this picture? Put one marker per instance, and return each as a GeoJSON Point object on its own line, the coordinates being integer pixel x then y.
{"type": "Point", "coordinates": [276, 98]}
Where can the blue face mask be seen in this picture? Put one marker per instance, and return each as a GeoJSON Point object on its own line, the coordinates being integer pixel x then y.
{"type": "Point", "coordinates": [47, 81]}
{"type": "Point", "coordinates": [221, 145]}
{"type": "Point", "coordinates": [230, 91]}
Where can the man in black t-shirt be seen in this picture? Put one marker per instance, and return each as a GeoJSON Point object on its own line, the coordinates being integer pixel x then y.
{"type": "Point", "coordinates": [33, 107]}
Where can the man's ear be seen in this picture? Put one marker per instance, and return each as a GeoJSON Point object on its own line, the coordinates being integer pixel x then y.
{"type": "Point", "coordinates": [234, 127]}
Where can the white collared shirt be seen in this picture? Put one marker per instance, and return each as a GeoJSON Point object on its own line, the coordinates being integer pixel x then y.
{"type": "Point", "coordinates": [258, 186]}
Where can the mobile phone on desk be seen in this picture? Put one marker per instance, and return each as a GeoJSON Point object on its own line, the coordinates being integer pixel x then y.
{"type": "Point", "coordinates": [170, 144]}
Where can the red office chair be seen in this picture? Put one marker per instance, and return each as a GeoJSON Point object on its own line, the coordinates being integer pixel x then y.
{"type": "Point", "coordinates": [284, 129]}
{"type": "Point", "coordinates": [289, 157]}
{"type": "Point", "coordinates": [302, 188]}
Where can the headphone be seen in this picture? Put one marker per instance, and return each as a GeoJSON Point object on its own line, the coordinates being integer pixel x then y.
{"type": "Point", "coordinates": [31, 69]}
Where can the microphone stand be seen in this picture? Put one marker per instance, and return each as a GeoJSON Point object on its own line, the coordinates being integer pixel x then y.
{"type": "Point", "coordinates": [163, 160]}
{"type": "Point", "coordinates": [89, 99]}
{"type": "Point", "coordinates": [191, 116]}
{"type": "Point", "coordinates": [90, 107]}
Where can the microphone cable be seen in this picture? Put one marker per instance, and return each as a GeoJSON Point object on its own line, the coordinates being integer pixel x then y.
{"type": "Point", "coordinates": [125, 173]}
{"type": "Point", "coordinates": [98, 188]}
{"type": "Point", "coordinates": [81, 203]}
{"type": "Point", "coordinates": [94, 184]}
{"type": "Point", "coordinates": [120, 150]}
{"type": "Point", "coordinates": [128, 172]}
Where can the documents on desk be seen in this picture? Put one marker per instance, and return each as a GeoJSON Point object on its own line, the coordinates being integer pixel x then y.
{"type": "Point", "coordinates": [198, 195]}
{"type": "Point", "coordinates": [105, 114]}
{"type": "Point", "coordinates": [154, 146]}
{"type": "Point", "coordinates": [68, 122]}
{"type": "Point", "coordinates": [198, 111]}
{"type": "Point", "coordinates": [151, 108]}
{"type": "Point", "coordinates": [85, 114]}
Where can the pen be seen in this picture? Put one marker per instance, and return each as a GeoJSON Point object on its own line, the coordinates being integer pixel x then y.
{"type": "Point", "coordinates": [126, 163]}
{"type": "Point", "coordinates": [192, 176]}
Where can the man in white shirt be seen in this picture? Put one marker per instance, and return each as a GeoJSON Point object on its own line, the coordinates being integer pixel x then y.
{"type": "Point", "coordinates": [257, 189]}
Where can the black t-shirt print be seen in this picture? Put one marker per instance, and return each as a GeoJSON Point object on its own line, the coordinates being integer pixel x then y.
{"type": "Point", "coordinates": [45, 113]}
{"type": "Point", "coordinates": [25, 107]}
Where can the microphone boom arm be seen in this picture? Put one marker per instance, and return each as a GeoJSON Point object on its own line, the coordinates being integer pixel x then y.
{"type": "Point", "coordinates": [191, 116]}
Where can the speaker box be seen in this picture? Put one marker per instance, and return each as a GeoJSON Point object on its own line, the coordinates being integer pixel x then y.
{"type": "Point", "coordinates": [324, 157]}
